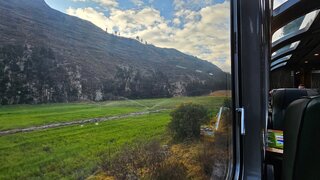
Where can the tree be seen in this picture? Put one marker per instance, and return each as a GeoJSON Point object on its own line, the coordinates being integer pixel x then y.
{"type": "Point", "coordinates": [186, 121]}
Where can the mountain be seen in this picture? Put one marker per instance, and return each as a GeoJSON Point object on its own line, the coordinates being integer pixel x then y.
{"type": "Point", "coordinates": [48, 56]}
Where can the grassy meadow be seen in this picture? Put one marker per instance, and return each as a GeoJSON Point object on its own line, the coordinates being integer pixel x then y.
{"type": "Point", "coordinates": [22, 116]}
{"type": "Point", "coordinates": [74, 152]}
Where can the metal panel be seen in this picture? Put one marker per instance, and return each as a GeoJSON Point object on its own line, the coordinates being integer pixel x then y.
{"type": "Point", "coordinates": [235, 49]}
{"type": "Point", "coordinates": [253, 62]}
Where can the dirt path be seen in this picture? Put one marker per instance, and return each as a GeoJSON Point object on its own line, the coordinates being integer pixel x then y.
{"type": "Point", "coordinates": [85, 121]}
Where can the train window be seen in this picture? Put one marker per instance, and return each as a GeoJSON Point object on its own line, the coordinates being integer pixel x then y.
{"type": "Point", "coordinates": [278, 66]}
{"type": "Point", "coordinates": [277, 3]}
{"type": "Point", "coordinates": [286, 58]}
{"type": "Point", "coordinates": [301, 23]}
{"type": "Point", "coordinates": [285, 49]}
{"type": "Point", "coordinates": [115, 89]}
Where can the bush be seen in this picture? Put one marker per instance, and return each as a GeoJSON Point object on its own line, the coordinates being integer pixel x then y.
{"type": "Point", "coordinates": [170, 170]}
{"type": "Point", "coordinates": [186, 121]}
{"type": "Point", "coordinates": [135, 161]}
{"type": "Point", "coordinates": [214, 156]}
{"type": "Point", "coordinates": [227, 103]}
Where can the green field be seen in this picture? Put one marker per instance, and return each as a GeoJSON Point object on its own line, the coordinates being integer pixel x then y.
{"type": "Point", "coordinates": [75, 151]}
{"type": "Point", "coordinates": [21, 116]}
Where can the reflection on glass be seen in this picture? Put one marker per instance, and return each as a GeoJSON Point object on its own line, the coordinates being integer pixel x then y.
{"type": "Point", "coordinates": [286, 58]}
{"type": "Point", "coordinates": [277, 3]}
{"type": "Point", "coordinates": [139, 90]}
{"type": "Point", "coordinates": [303, 22]}
{"type": "Point", "coordinates": [278, 66]}
{"type": "Point", "coordinates": [286, 48]}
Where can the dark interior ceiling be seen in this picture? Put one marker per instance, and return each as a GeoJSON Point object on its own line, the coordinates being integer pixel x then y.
{"type": "Point", "coordinates": [304, 54]}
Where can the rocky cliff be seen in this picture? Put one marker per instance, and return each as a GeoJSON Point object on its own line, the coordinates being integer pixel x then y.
{"type": "Point", "coordinates": [48, 56]}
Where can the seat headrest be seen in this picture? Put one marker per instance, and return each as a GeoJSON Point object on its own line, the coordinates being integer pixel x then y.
{"type": "Point", "coordinates": [281, 98]}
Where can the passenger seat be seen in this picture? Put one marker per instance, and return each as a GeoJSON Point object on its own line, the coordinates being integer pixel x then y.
{"type": "Point", "coordinates": [281, 98]}
{"type": "Point", "coordinates": [301, 158]}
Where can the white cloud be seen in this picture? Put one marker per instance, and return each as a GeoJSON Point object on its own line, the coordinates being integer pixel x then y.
{"type": "Point", "coordinates": [104, 3]}
{"type": "Point", "coordinates": [176, 21]}
{"type": "Point", "coordinates": [108, 3]}
{"type": "Point", "coordinates": [89, 14]}
{"type": "Point", "coordinates": [191, 4]}
{"type": "Point", "coordinates": [137, 2]}
{"type": "Point", "coordinates": [178, 4]}
{"type": "Point", "coordinates": [203, 33]}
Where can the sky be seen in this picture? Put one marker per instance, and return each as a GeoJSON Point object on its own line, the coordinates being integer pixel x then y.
{"type": "Point", "coordinates": [196, 27]}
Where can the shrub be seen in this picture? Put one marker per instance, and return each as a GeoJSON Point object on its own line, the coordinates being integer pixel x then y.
{"type": "Point", "coordinates": [170, 170]}
{"type": "Point", "coordinates": [214, 156]}
{"type": "Point", "coordinates": [135, 161]}
{"type": "Point", "coordinates": [227, 103]}
{"type": "Point", "coordinates": [186, 121]}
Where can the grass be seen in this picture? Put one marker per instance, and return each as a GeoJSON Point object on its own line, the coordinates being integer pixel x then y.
{"type": "Point", "coordinates": [22, 116]}
{"type": "Point", "coordinates": [74, 152]}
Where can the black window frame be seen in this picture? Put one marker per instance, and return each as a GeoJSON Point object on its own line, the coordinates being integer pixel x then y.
{"type": "Point", "coordinates": [250, 48]}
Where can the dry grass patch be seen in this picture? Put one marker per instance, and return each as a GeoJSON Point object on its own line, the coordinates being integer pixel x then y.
{"type": "Point", "coordinates": [221, 93]}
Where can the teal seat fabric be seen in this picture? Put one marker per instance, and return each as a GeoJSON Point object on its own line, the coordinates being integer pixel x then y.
{"type": "Point", "coordinates": [301, 157]}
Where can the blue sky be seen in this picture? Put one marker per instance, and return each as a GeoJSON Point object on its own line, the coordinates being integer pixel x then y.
{"type": "Point", "coordinates": [196, 27]}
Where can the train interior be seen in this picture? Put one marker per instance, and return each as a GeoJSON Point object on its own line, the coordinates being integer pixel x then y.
{"type": "Point", "coordinates": [294, 105]}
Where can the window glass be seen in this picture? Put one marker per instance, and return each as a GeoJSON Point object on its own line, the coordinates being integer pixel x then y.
{"type": "Point", "coordinates": [286, 58]}
{"type": "Point", "coordinates": [294, 26]}
{"type": "Point", "coordinates": [115, 89]}
{"type": "Point", "coordinates": [277, 3]}
{"type": "Point", "coordinates": [289, 47]}
{"type": "Point", "coordinates": [278, 66]}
